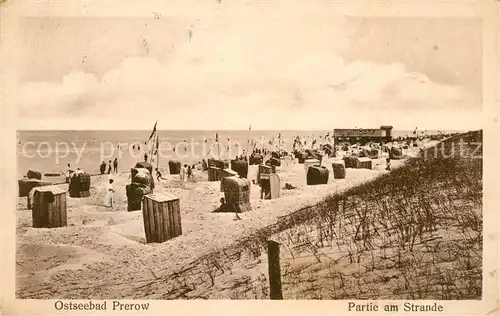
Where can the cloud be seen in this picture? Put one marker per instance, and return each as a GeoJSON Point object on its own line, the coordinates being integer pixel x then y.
{"type": "Point", "coordinates": [200, 87]}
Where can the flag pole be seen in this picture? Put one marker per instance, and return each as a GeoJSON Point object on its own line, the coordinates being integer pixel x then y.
{"type": "Point", "coordinates": [279, 145]}
{"type": "Point", "coordinates": [150, 150]}
{"type": "Point", "coordinates": [248, 141]}
{"type": "Point", "coordinates": [157, 152]}
{"type": "Point", "coordinates": [218, 144]}
{"type": "Point", "coordinates": [153, 133]}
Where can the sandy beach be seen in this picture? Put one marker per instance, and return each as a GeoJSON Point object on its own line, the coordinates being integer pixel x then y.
{"type": "Point", "coordinates": [106, 248]}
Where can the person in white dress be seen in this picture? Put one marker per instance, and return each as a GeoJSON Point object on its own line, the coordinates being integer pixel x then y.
{"type": "Point", "coordinates": [182, 173]}
{"type": "Point", "coordinates": [109, 197]}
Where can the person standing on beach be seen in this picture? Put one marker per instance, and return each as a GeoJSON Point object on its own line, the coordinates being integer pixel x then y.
{"type": "Point", "coordinates": [184, 173]}
{"type": "Point", "coordinates": [108, 199]}
{"type": "Point", "coordinates": [109, 167]}
{"type": "Point", "coordinates": [102, 167]}
{"type": "Point", "coordinates": [115, 165]}
{"type": "Point", "coordinates": [181, 174]}
{"type": "Point", "coordinates": [68, 173]}
{"type": "Point", "coordinates": [189, 173]}
{"type": "Point", "coordinates": [146, 157]}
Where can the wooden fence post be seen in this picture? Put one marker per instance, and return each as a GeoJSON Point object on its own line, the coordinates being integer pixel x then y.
{"type": "Point", "coordinates": [273, 256]}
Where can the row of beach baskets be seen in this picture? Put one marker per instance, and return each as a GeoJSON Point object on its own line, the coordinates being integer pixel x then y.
{"type": "Point", "coordinates": [318, 174]}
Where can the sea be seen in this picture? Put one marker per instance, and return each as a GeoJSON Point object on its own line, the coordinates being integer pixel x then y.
{"type": "Point", "coordinates": [50, 151]}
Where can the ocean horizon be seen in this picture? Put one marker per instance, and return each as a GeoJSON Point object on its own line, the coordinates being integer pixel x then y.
{"type": "Point", "coordinates": [51, 150]}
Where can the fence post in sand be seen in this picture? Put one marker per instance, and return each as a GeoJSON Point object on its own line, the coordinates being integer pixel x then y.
{"type": "Point", "coordinates": [273, 256]}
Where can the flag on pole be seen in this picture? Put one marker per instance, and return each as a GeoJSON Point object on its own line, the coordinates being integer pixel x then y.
{"type": "Point", "coordinates": [157, 144]}
{"type": "Point", "coordinates": [248, 142]}
{"type": "Point", "coordinates": [218, 144]}
{"type": "Point", "coordinates": [156, 155]}
{"type": "Point", "coordinates": [153, 132]}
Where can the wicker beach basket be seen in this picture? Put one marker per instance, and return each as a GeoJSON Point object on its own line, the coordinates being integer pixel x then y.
{"type": "Point", "coordinates": [221, 164]}
{"type": "Point", "coordinates": [32, 174]}
{"type": "Point", "coordinates": [237, 194]}
{"type": "Point", "coordinates": [317, 175]}
{"type": "Point", "coordinates": [26, 185]}
{"type": "Point", "coordinates": [145, 165]}
{"type": "Point", "coordinates": [396, 153]}
{"type": "Point", "coordinates": [174, 167]}
{"type": "Point", "coordinates": [135, 193]}
{"type": "Point", "coordinates": [338, 170]}
{"type": "Point", "coordinates": [363, 163]}
{"type": "Point", "coordinates": [79, 185]}
{"type": "Point", "coordinates": [241, 167]}
{"type": "Point", "coordinates": [256, 159]}
{"type": "Point", "coordinates": [350, 162]}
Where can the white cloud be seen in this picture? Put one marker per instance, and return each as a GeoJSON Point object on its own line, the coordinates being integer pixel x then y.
{"type": "Point", "coordinates": [204, 87]}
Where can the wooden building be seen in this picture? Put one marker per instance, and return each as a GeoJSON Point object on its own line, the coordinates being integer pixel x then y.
{"type": "Point", "coordinates": [363, 135]}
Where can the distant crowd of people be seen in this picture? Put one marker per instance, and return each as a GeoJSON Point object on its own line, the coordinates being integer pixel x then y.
{"type": "Point", "coordinates": [110, 166]}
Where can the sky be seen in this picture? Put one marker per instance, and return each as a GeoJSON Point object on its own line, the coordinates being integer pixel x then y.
{"type": "Point", "coordinates": [224, 71]}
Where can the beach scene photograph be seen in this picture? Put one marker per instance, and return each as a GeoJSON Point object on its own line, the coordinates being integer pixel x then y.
{"type": "Point", "coordinates": [244, 151]}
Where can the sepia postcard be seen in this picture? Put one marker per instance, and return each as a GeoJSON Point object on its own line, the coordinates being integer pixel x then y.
{"type": "Point", "coordinates": [213, 157]}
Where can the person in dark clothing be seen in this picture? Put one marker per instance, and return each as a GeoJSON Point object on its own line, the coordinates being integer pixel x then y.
{"type": "Point", "coordinates": [115, 165]}
{"type": "Point", "coordinates": [102, 168]}
{"type": "Point", "coordinates": [223, 205]}
{"type": "Point", "coordinates": [68, 173]}
{"type": "Point", "coordinates": [146, 157]}
{"type": "Point", "coordinates": [109, 167]}
{"type": "Point", "coordinates": [158, 175]}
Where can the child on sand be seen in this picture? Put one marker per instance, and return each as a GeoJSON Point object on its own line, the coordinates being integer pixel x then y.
{"type": "Point", "coordinates": [108, 199]}
{"type": "Point", "coordinates": [158, 175]}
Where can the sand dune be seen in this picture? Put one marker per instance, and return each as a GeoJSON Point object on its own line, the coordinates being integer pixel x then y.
{"type": "Point", "coordinates": [101, 246]}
